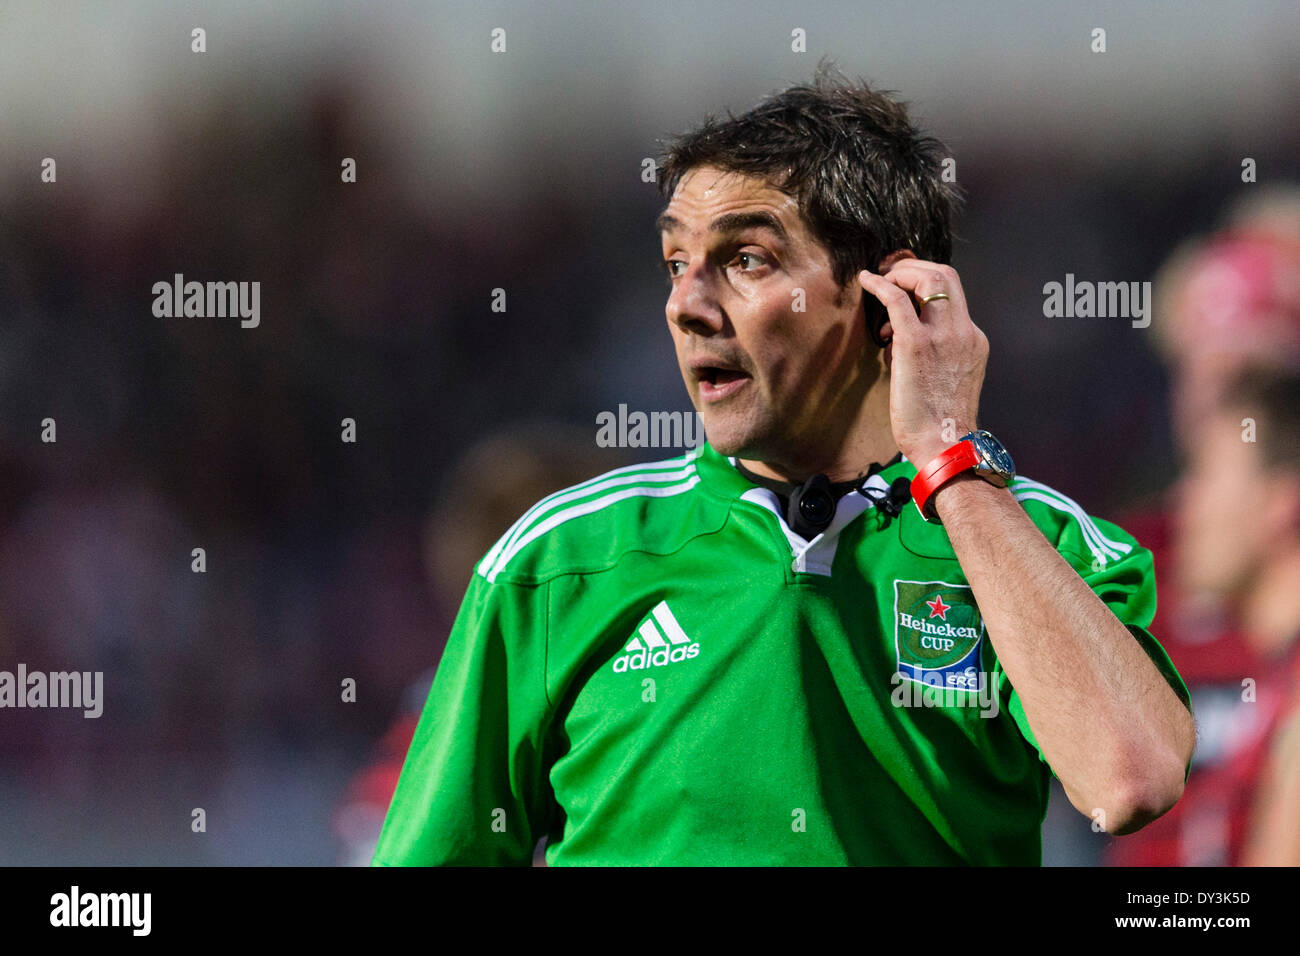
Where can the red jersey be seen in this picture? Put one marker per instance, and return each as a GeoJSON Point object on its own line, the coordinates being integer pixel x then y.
{"type": "Point", "coordinates": [1238, 699]}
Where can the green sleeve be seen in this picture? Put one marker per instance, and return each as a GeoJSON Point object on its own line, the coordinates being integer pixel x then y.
{"type": "Point", "coordinates": [1122, 573]}
{"type": "Point", "coordinates": [473, 789]}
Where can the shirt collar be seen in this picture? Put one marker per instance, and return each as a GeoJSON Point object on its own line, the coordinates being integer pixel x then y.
{"type": "Point", "coordinates": [718, 474]}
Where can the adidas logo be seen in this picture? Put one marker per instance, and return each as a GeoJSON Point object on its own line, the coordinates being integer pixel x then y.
{"type": "Point", "coordinates": [665, 644]}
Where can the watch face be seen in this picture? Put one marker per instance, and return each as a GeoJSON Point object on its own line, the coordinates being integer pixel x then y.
{"type": "Point", "coordinates": [997, 465]}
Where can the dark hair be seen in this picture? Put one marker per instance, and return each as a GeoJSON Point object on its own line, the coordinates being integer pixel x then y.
{"type": "Point", "coordinates": [1272, 397]}
{"type": "Point", "coordinates": [866, 179]}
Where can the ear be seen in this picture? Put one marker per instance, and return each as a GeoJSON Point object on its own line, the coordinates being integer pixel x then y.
{"type": "Point", "coordinates": [893, 257]}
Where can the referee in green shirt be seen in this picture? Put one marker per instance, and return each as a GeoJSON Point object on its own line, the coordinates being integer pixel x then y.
{"type": "Point", "coordinates": [842, 631]}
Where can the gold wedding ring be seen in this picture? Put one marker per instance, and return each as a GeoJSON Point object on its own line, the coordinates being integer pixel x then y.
{"type": "Point", "coordinates": [933, 296]}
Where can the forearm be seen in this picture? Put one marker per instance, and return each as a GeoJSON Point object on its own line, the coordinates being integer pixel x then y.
{"type": "Point", "coordinates": [1115, 733]}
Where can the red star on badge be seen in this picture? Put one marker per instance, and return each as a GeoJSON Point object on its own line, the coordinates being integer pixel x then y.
{"type": "Point", "coordinates": [938, 608]}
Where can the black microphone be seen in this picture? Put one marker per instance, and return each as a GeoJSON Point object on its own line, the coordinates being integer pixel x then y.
{"type": "Point", "coordinates": [891, 502]}
{"type": "Point", "coordinates": [900, 493]}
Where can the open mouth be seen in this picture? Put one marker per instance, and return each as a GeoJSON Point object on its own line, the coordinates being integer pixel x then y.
{"type": "Point", "coordinates": [720, 376]}
{"type": "Point", "coordinates": [717, 383]}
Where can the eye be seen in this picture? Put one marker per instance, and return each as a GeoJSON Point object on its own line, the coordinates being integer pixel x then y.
{"type": "Point", "coordinates": [668, 265]}
{"type": "Point", "coordinates": [753, 257]}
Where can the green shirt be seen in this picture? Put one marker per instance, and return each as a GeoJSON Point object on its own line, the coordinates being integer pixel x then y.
{"type": "Point", "coordinates": [651, 668]}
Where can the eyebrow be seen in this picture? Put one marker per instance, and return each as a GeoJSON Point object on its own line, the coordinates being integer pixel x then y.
{"type": "Point", "coordinates": [731, 222]}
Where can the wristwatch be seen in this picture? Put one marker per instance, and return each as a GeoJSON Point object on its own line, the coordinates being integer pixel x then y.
{"type": "Point", "coordinates": [977, 451]}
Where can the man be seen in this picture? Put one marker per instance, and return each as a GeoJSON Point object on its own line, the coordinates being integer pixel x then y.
{"type": "Point", "coordinates": [1228, 323]}
{"type": "Point", "coordinates": [1249, 557]}
{"type": "Point", "coordinates": [731, 657]}
{"type": "Point", "coordinates": [1237, 549]}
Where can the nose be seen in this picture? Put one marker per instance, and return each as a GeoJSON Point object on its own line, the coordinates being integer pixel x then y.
{"type": "Point", "coordinates": [693, 305]}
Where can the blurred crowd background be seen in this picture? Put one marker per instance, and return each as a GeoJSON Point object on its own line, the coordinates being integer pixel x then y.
{"type": "Point", "coordinates": [477, 170]}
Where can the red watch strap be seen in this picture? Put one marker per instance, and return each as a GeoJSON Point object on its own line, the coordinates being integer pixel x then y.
{"type": "Point", "coordinates": [947, 464]}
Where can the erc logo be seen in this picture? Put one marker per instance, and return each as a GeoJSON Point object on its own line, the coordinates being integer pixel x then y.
{"type": "Point", "coordinates": [938, 632]}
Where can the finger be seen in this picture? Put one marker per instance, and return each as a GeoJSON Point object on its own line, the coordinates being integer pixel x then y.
{"type": "Point", "coordinates": [897, 302]}
{"type": "Point", "coordinates": [924, 279]}
{"type": "Point", "coordinates": [947, 318]}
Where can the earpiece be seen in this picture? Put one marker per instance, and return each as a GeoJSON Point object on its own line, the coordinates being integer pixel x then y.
{"type": "Point", "coordinates": [877, 314]}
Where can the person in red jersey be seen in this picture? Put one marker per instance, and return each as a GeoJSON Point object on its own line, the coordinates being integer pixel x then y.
{"type": "Point", "coordinates": [1224, 549]}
